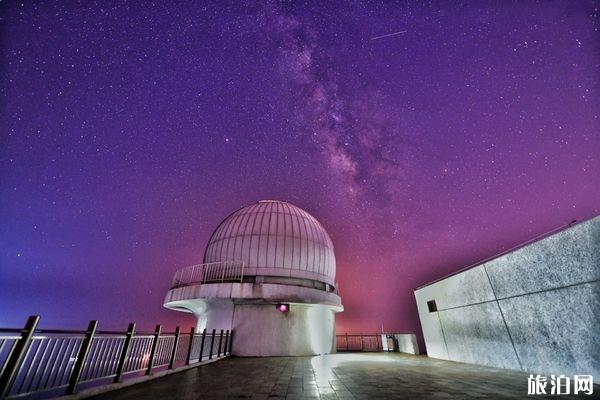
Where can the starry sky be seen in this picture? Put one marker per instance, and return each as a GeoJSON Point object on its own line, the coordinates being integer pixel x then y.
{"type": "Point", "coordinates": [130, 130]}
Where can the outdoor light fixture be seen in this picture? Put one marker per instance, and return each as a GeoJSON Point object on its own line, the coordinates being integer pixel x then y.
{"type": "Point", "coordinates": [283, 307]}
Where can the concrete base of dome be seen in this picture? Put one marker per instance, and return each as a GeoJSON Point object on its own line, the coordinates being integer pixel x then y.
{"type": "Point", "coordinates": [260, 329]}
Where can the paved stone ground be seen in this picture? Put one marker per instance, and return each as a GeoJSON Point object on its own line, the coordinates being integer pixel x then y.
{"type": "Point", "coordinates": [336, 376]}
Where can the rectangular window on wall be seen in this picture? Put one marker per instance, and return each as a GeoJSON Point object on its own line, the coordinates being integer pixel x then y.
{"type": "Point", "coordinates": [432, 306]}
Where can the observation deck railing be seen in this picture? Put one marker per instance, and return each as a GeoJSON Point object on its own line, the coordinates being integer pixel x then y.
{"type": "Point", "coordinates": [359, 342]}
{"type": "Point", "coordinates": [49, 363]}
{"type": "Point", "coordinates": [209, 273]}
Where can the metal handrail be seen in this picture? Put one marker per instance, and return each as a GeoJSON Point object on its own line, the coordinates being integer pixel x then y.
{"type": "Point", "coordinates": [216, 272]}
{"type": "Point", "coordinates": [359, 342]}
{"type": "Point", "coordinates": [336, 289]}
{"type": "Point", "coordinates": [45, 362]}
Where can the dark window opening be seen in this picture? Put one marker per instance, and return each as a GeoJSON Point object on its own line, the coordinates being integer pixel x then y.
{"type": "Point", "coordinates": [432, 306]}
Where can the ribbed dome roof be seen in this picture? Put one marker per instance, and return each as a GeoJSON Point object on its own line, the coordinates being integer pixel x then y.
{"type": "Point", "coordinates": [274, 238]}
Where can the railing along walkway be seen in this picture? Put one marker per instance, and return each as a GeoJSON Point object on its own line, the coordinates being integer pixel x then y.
{"type": "Point", "coordinates": [55, 362]}
{"type": "Point", "coordinates": [359, 342]}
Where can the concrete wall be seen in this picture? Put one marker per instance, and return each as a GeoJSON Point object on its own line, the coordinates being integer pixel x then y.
{"type": "Point", "coordinates": [536, 309]}
{"type": "Point", "coordinates": [407, 342]}
{"type": "Point", "coordinates": [261, 330]}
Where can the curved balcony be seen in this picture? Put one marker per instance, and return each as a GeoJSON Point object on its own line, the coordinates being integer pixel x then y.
{"type": "Point", "coordinates": [217, 272]}
{"type": "Point", "coordinates": [190, 284]}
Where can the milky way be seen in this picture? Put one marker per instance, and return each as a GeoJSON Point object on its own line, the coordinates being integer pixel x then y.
{"type": "Point", "coordinates": [129, 131]}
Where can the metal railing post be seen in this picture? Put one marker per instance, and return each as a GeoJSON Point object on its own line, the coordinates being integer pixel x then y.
{"type": "Point", "coordinates": [17, 356]}
{"type": "Point", "coordinates": [212, 342]}
{"type": "Point", "coordinates": [82, 357]}
{"type": "Point", "coordinates": [230, 341]}
{"type": "Point", "coordinates": [220, 343]}
{"type": "Point", "coordinates": [226, 342]}
{"type": "Point", "coordinates": [362, 343]}
{"type": "Point", "coordinates": [202, 345]}
{"type": "Point", "coordinates": [153, 350]}
{"type": "Point", "coordinates": [346, 342]}
{"type": "Point", "coordinates": [124, 352]}
{"type": "Point", "coordinates": [189, 354]}
{"type": "Point", "coordinates": [174, 351]}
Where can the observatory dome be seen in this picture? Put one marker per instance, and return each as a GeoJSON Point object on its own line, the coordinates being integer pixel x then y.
{"type": "Point", "coordinates": [274, 238]}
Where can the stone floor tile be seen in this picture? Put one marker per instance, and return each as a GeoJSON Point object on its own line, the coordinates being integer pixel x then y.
{"type": "Point", "coordinates": [336, 376]}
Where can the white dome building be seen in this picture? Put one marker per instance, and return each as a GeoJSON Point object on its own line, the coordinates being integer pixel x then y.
{"type": "Point", "coordinates": [264, 255]}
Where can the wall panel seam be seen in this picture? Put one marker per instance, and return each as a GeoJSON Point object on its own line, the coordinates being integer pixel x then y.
{"type": "Point", "coordinates": [503, 319]}
{"type": "Point", "coordinates": [521, 295]}
{"type": "Point", "coordinates": [443, 335]}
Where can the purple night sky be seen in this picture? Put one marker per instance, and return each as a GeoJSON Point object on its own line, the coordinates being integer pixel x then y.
{"type": "Point", "coordinates": [130, 131]}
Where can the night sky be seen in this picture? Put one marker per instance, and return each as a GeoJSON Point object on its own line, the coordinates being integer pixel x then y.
{"type": "Point", "coordinates": [129, 132]}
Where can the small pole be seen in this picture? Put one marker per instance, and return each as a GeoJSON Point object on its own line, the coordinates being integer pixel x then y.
{"type": "Point", "coordinates": [153, 350]}
{"type": "Point", "coordinates": [124, 352]}
{"type": "Point", "coordinates": [11, 368]}
{"type": "Point", "coordinates": [174, 351]}
{"type": "Point", "coordinates": [230, 341]}
{"type": "Point", "coordinates": [346, 341]}
{"type": "Point", "coordinates": [202, 345]}
{"type": "Point", "coordinates": [189, 354]}
{"type": "Point", "coordinates": [226, 342]}
{"type": "Point", "coordinates": [82, 357]}
{"type": "Point", "coordinates": [362, 343]}
{"type": "Point", "coordinates": [212, 342]}
{"type": "Point", "coordinates": [220, 343]}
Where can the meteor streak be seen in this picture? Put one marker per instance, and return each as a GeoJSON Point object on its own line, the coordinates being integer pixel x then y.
{"type": "Point", "coordinates": [388, 35]}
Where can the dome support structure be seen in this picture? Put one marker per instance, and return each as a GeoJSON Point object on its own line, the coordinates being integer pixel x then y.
{"type": "Point", "coordinates": [264, 258]}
